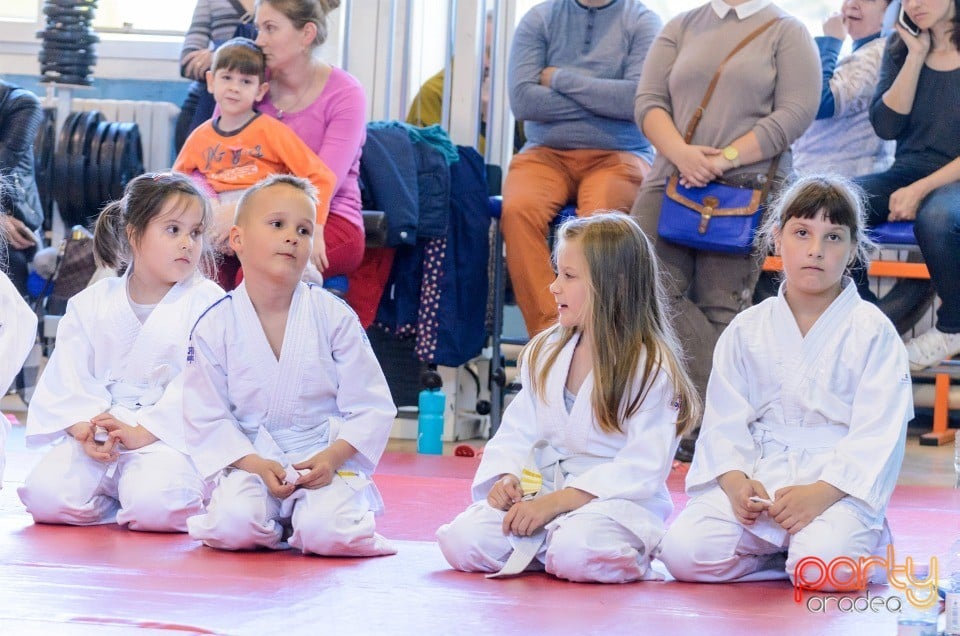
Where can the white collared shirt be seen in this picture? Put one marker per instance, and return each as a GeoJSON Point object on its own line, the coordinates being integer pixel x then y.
{"type": "Point", "coordinates": [743, 11]}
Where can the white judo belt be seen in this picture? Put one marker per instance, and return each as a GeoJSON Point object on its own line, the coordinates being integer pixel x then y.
{"type": "Point", "coordinates": [803, 437]}
{"type": "Point", "coordinates": [532, 484]}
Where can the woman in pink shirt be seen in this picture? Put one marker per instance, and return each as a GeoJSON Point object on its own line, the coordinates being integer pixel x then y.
{"type": "Point", "coordinates": [326, 107]}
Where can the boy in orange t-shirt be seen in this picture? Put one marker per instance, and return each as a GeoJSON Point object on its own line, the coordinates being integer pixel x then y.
{"type": "Point", "coordinates": [240, 146]}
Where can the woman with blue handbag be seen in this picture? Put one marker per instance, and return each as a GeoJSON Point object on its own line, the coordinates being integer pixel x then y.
{"type": "Point", "coordinates": [761, 97]}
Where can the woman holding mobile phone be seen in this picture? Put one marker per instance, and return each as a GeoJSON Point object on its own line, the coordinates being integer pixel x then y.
{"type": "Point", "coordinates": [909, 25]}
{"type": "Point", "coordinates": [914, 104]}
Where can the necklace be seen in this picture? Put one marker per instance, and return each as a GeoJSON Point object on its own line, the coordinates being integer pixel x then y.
{"type": "Point", "coordinates": [303, 92]}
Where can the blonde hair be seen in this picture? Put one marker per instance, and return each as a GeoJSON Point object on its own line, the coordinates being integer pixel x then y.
{"type": "Point", "coordinates": [626, 321]}
{"type": "Point", "coordinates": [308, 189]}
{"type": "Point", "coordinates": [840, 200]}
{"type": "Point", "coordinates": [303, 12]}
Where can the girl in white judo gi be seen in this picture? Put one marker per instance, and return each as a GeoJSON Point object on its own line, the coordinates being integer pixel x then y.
{"type": "Point", "coordinates": [18, 332]}
{"type": "Point", "coordinates": [807, 408]}
{"type": "Point", "coordinates": [285, 404]}
{"type": "Point", "coordinates": [110, 397]}
{"type": "Point", "coordinates": [575, 478]}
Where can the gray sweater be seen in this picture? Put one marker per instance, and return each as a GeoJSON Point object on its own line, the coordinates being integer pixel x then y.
{"type": "Point", "coordinates": [599, 54]}
{"type": "Point", "coordinates": [771, 87]}
{"type": "Point", "coordinates": [213, 21]}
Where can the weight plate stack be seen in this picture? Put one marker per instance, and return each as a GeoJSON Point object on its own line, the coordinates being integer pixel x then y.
{"type": "Point", "coordinates": [70, 210]}
{"type": "Point", "coordinates": [68, 54]}
{"type": "Point", "coordinates": [93, 162]}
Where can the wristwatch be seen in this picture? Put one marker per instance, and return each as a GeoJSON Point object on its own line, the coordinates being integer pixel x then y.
{"type": "Point", "coordinates": [732, 155]}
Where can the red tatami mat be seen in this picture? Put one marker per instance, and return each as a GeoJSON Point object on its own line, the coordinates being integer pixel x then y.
{"type": "Point", "coordinates": [104, 580]}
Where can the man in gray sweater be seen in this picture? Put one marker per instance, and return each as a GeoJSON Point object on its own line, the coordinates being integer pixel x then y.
{"type": "Point", "coordinates": [573, 71]}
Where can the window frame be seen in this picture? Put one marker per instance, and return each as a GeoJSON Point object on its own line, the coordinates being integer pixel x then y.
{"type": "Point", "coordinates": [19, 42]}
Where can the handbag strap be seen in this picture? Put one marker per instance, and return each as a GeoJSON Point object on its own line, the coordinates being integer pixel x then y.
{"type": "Point", "coordinates": [695, 120]}
{"type": "Point", "coordinates": [698, 114]}
{"type": "Point", "coordinates": [245, 16]}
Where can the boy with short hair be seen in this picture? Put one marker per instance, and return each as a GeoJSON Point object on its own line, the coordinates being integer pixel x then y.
{"type": "Point", "coordinates": [284, 399]}
{"type": "Point", "coordinates": [240, 146]}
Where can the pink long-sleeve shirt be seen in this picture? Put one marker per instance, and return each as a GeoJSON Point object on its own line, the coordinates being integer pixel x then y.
{"type": "Point", "coordinates": [334, 126]}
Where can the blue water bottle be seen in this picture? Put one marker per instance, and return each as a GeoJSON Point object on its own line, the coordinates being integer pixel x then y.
{"type": "Point", "coordinates": [430, 420]}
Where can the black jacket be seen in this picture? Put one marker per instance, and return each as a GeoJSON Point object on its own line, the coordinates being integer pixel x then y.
{"type": "Point", "coordinates": [20, 118]}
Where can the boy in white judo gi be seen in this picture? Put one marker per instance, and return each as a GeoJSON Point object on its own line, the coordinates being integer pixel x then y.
{"type": "Point", "coordinates": [286, 405]}
{"type": "Point", "coordinates": [806, 413]}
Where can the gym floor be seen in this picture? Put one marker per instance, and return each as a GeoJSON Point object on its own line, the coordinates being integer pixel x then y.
{"type": "Point", "coordinates": [104, 580]}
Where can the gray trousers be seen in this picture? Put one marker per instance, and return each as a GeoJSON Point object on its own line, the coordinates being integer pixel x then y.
{"type": "Point", "coordinates": [705, 290]}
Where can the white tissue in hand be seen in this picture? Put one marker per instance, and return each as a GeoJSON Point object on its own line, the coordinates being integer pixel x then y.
{"type": "Point", "coordinates": [292, 475]}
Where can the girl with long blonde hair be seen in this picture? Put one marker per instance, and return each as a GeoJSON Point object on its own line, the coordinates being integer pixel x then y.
{"type": "Point", "coordinates": [575, 476]}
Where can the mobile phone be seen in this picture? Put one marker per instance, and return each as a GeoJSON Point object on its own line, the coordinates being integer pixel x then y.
{"type": "Point", "coordinates": [908, 24]}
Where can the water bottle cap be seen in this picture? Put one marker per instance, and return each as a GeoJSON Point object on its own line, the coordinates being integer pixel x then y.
{"type": "Point", "coordinates": [431, 379]}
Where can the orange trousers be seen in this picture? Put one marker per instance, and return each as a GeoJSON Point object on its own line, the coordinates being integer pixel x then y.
{"type": "Point", "coordinates": [540, 182]}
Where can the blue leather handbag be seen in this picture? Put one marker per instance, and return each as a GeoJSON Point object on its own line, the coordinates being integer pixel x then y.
{"type": "Point", "coordinates": [716, 218]}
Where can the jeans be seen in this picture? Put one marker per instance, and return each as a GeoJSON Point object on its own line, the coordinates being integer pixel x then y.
{"type": "Point", "coordinates": [937, 228]}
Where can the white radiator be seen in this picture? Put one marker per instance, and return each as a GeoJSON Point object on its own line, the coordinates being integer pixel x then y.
{"type": "Point", "coordinates": [156, 121]}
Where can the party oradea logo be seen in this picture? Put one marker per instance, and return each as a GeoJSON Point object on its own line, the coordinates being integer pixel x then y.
{"type": "Point", "coordinates": [845, 574]}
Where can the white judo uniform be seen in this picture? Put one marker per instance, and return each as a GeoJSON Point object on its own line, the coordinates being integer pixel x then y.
{"type": "Point", "coordinates": [106, 360]}
{"type": "Point", "coordinates": [610, 538]}
{"type": "Point", "coordinates": [787, 410]}
{"type": "Point", "coordinates": [240, 400]}
{"type": "Point", "coordinates": [18, 332]}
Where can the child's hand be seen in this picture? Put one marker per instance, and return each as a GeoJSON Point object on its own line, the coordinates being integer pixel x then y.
{"type": "Point", "coordinates": [740, 489]}
{"type": "Point", "coordinates": [322, 469]}
{"type": "Point", "coordinates": [218, 232]}
{"type": "Point", "coordinates": [271, 472]}
{"type": "Point", "coordinates": [319, 256]}
{"type": "Point", "coordinates": [132, 437]}
{"type": "Point", "coordinates": [796, 506]}
{"type": "Point", "coordinates": [83, 432]}
{"type": "Point", "coordinates": [527, 517]}
{"type": "Point", "coordinates": [505, 492]}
